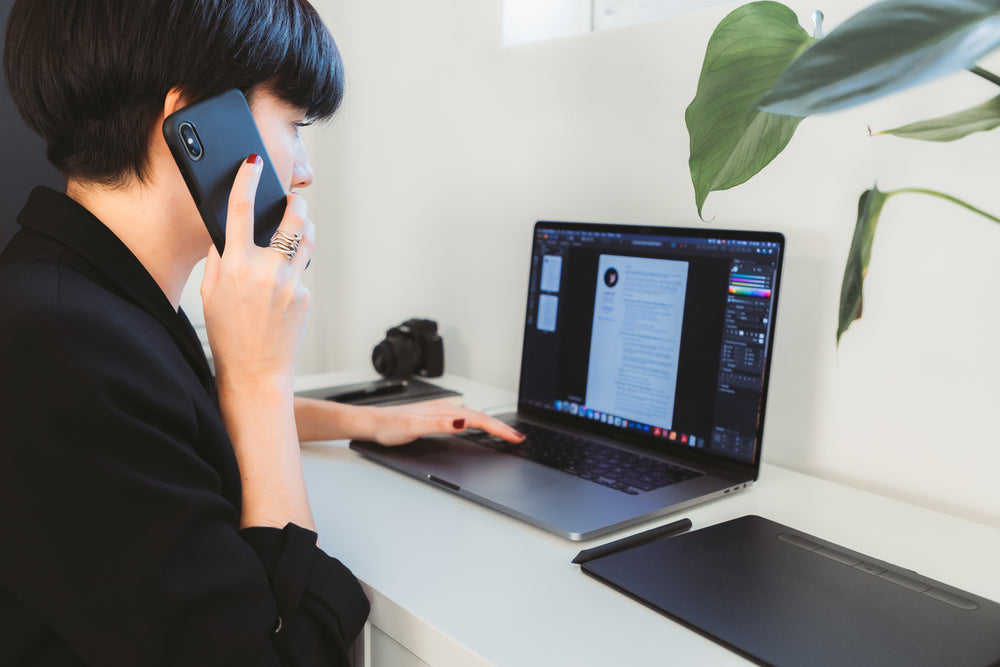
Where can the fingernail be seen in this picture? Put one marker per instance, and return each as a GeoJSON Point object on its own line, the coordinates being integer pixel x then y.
{"type": "Point", "coordinates": [253, 159]}
{"type": "Point", "coordinates": [459, 424]}
{"type": "Point", "coordinates": [521, 435]}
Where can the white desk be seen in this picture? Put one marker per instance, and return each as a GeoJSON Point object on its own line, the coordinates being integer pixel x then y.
{"type": "Point", "coordinates": [454, 583]}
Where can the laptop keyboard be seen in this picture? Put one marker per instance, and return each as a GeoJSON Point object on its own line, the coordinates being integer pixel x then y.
{"type": "Point", "coordinates": [617, 469]}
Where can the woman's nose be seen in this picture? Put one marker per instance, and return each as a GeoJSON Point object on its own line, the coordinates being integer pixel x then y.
{"type": "Point", "coordinates": [302, 174]}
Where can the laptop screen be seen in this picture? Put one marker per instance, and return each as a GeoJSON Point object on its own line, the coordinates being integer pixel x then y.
{"type": "Point", "coordinates": [659, 335]}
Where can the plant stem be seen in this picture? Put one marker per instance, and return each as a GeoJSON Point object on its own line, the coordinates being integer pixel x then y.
{"type": "Point", "coordinates": [989, 76]}
{"type": "Point", "coordinates": [953, 200]}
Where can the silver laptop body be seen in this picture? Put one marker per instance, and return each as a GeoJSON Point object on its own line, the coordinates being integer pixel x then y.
{"type": "Point", "coordinates": [651, 342]}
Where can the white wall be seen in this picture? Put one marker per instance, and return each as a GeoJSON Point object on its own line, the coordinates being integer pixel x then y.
{"type": "Point", "coordinates": [448, 148]}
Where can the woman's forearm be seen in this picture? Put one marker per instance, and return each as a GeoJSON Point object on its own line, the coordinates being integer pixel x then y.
{"type": "Point", "coordinates": [261, 423]}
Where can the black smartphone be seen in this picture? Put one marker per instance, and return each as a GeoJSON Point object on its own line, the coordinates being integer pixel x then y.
{"type": "Point", "coordinates": [209, 141]}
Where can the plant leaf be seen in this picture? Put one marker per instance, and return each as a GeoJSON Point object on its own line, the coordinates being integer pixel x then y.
{"type": "Point", "coordinates": [869, 209]}
{"type": "Point", "coordinates": [730, 139]}
{"type": "Point", "coordinates": [889, 46]}
{"type": "Point", "coordinates": [980, 118]}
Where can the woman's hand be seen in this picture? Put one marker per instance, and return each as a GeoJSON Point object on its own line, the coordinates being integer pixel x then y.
{"type": "Point", "coordinates": [397, 425]}
{"type": "Point", "coordinates": [393, 425]}
{"type": "Point", "coordinates": [255, 303]}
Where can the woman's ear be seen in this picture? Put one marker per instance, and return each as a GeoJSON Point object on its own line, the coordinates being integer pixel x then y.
{"type": "Point", "coordinates": [158, 152]}
{"type": "Point", "coordinates": [175, 100]}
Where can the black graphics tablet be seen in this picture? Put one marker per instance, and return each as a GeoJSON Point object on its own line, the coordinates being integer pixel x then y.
{"type": "Point", "coordinates": [781, 597]}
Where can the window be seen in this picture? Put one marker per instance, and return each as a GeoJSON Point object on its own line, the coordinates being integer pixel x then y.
{"type": "Point", "coordinates": [527, 21]}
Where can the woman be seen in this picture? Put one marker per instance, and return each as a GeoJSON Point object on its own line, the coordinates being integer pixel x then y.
{"type": "Point", "coordinates": [155, 514]}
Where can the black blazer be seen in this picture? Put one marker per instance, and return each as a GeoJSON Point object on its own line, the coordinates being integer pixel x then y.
{"type": "Point", "coordinates": [119, 489]}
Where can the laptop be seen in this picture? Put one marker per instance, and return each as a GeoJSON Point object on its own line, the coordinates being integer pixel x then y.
{"type": "Point", "coordinates": [644, 376]}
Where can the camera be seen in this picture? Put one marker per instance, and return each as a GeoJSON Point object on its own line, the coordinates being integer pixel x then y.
{"type": "Point", "coordinates": [412, 348]}
{"type": "Point", "coordinates": [192, 143]}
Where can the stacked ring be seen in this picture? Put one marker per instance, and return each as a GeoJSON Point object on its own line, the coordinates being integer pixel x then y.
{"type": "Point", "coordinates": [286, 244]}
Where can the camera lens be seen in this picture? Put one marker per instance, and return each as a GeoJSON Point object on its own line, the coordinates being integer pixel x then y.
{"type": "Point", "coordinates": [412, 348]}
{"type": "Point", "coordinates": [396, 357]}
{"type": "Point", "coordinates": [189, 137]}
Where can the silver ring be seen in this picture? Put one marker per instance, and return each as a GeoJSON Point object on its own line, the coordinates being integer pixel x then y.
{"type": "Point", "coordinates": [286, 244]}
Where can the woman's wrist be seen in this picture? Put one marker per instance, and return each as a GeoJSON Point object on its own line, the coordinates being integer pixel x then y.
{"type": "Point", "coordinates": [239, 384]}
{"type": "Point", "coordinates": [319, 420]}
{"type": "Point", "coordinates": [253, 404]}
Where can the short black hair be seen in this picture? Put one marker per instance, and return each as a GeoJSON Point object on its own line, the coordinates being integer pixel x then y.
{"type": "Point", "coordinates": [90, 76]}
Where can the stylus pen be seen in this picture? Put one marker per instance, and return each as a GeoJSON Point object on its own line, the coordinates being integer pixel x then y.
{"type": "Point", "coordinates": [373, 390]}
{"type": "Point", "coordinates": [637, 540]}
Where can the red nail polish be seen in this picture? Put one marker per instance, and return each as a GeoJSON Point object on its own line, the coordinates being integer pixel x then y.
{"type": "Point", "coordinates": [459, 424]}
{"type": "Point", "coordinates": [253, 159]}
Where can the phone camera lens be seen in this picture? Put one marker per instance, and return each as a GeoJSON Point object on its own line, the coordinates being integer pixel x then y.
{"type": "Point", "coordinates": [189, 137]}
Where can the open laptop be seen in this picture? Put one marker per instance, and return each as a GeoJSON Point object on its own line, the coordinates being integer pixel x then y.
{"type": "Point", "coordinates": [644, 378]}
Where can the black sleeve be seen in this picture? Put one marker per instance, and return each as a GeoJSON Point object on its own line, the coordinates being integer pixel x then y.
{"type": "Point", "coordinates": [305, 581]}
{"type": "Point", "coordinates": [119, 540]}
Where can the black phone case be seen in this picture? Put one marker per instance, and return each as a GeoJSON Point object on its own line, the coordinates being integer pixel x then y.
{"type": "Point", "coordinates": [228, 135]}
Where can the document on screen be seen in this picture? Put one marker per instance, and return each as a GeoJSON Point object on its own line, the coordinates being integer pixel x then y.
{"type": "Point", "coordinates": [636, 338]}
{"type": "Point", "coordinates": [551, 273]}
{"type": "Point", "coordinates": [548, 310]}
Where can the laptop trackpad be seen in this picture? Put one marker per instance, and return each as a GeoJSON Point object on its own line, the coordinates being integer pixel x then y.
{"type": "Point", "coordinates": [478, 469]}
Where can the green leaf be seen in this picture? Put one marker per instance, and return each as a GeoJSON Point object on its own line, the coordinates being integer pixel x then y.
{"type": "Point", "coordinates": [889, 46]}
{"type": "Point", "coordinates": [980, 118]}
{"type": "Point", "coordinates": [731, 140]}
{"type": "Point", "coordinates": [869, 209]}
